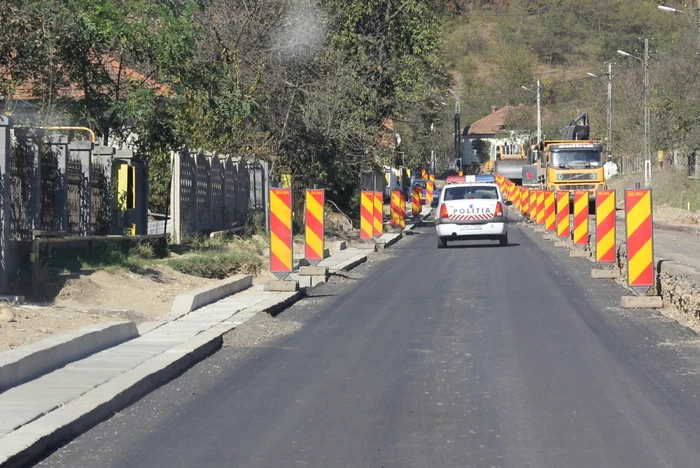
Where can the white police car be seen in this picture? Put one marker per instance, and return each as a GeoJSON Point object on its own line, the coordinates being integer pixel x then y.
{"type": "Point", "coordinates": [471, 211]}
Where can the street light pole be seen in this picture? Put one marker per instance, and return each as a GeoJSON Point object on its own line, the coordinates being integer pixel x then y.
{"type": "Point", "coordinates": [647, 142]}
{"type": "Point", "coordinates": [539, 115]}
{"type": "Point", "coordinates": [609, 110]}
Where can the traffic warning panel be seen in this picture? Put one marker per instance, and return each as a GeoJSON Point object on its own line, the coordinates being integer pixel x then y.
{"type": "Point", "coordinates": [605, 251]}
{"type": "Point", "coordinates": [394, 214]}
{"type": "Point", "coordinates": [563, 214]}
{"type": "Point", "coordinates": [402, 210]}
{"type": "Point", "coordinates": [416, 200]}
{"type": "Point", "coordinates": [540, 207]}
{"type": "Point", "coordinates": [429, 192]}
{"type": "Point", "coordinates": [526, 202]}
{"type": "Point", "coordinates": [640, 240]}
{"type": "Point", "coordinates": [533, 205]}
{"type": "Point", "coordinates": [281, 241]}
{"type": "Point", "coordinates": [367, 215]}
{"type": "Point", "coordinates": [378, 214]}
{"type": "Point", "coordinates": [550, 218]}
{"type": "Point", "coordinates": [315, 224]}
{"type": "Point", "coordinates": [581, 217]}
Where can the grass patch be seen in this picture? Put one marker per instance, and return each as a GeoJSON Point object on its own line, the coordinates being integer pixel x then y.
{"type": "Point", "coordinates": [670, 188]}
{"type": "Point", "coordinates": [218, 264]}
{"type": "Point", "coordinates": [111, 257]}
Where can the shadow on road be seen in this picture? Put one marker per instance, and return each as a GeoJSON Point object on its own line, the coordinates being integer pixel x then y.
{"type": "Point", "coordinates": [479, 246]}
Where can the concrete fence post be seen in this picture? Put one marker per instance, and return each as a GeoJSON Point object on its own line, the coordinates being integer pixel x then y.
{"type": "Point", "coordinates": [5, 210]}
{"type": "Point", "coordinates": [83, 151]}
{"type": "Point", "coordinates": [175, 201]}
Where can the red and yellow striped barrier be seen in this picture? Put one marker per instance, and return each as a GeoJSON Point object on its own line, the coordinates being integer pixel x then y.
{"type": "Point", "coordinates": [378, 214]}
{"type": "Point", "coordinates": [550, 217]}
{"type": "Point", "coordinates": [533, 205]}
{"type": "Point", "coordinates": [540, 207]}
{"type": "Point", "coordinates": [281, 241]}
{"type": "Point", "coordinates": [563, 212]}
{"type": "Point", "coordinates": [315, 224]}
{"type": "Point", "coordinates": [429, 192]}
{"type": "Point", "coordinates": [416, 200]}
{"type": "Point", "coordinates": [526, 202]}
{"type": "Point", "coordinates": [580, 217]}
{"type": "Point", "coordinates": [402, 210]}
{"type": "Point", "coordinates": [395, 201]}
{"type": "Point", "coordinates": [367, 215]}
{"type": "Point", "coordinates": [605, 251]}
{"type": "Point", "coordinates": [640, 240]}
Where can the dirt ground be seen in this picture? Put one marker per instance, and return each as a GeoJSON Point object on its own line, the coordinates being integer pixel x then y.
{"type": "Point", "coordinates": [101, 296]}
{"type": "Point", "coordinates": [672, 194]}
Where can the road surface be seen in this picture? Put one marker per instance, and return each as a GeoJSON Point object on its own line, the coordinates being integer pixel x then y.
{"type": "Point", "coordinates": [465, 357]}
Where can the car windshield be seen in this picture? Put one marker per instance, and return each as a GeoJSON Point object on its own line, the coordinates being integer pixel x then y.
{"type": "Point", "coordinates": [484, 192]}
{"type": "Point", "coordinates": [575, 159]}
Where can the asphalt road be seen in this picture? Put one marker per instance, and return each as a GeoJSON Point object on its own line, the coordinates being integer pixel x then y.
{"type": "Point", "coordinates": [465, 357]}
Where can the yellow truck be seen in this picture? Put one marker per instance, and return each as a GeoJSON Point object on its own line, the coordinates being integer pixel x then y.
{"type": "Point", "coordinates": [566, 165]}
{"type": "Point", "coordinates": [572, 163]}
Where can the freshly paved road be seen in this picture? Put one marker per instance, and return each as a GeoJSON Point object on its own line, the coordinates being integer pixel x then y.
{"type": "Point", "coordinates": [465, 357]}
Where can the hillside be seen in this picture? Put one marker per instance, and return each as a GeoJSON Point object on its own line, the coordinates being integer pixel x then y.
{"type": "Point", "coordinates": [495, 47]}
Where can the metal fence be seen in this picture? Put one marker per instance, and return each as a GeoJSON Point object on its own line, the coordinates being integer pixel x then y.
{"type": "Point", "coordinates": [212, 192]}
{"type": "Point", "coordinates": [51, 186]}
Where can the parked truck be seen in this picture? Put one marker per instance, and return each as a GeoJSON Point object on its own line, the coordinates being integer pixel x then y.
{"type": "Point", "coordinates": [573, 163]}
{"type": "Point", "coordinates": [509, 162]}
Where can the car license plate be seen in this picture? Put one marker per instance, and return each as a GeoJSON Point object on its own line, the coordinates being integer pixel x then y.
{"type": "Point", "coordinates": [471, 227]}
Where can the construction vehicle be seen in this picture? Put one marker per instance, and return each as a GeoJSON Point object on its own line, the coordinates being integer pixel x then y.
{"type": "Point", "coordinates": [573, 163]}
{"type": "Point", "coordinates": [509, 161]}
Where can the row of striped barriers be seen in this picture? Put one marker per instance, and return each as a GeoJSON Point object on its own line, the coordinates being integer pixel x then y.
{"type": "Point", "coordinates": [565, 214]}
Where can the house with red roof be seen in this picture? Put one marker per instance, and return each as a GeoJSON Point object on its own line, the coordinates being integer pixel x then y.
{"type": "Point", "coordinates": [494, 130]}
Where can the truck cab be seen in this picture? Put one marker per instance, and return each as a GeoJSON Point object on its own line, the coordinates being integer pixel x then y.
{"type": "Point", "coordinates": [566, 165]}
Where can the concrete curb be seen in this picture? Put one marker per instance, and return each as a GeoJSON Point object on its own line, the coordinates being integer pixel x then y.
{"type": "Point", "coordinates": [193, 300]}
{"type": "Point", "coordinates": [26, 444]}
{"type": "Point", "coordinates": [31, 361]}
{"type": "Point", "coordinates": [349, 264]}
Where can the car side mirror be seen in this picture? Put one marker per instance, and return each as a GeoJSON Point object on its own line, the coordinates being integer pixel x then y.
{"type": "Point", "coordinates": [509, 203]}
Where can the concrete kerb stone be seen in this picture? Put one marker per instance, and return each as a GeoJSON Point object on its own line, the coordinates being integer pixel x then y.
{"type": "Point", "coordinates": [313, 271]}
{"type": "Point", "coordinates": [281, 286]}
{"type": "Point", "coordinates": [26, 444]}
{"type": "Point", "coordinates": [641, 302]}
{"type": "Point", "coordinates": [561, 244]}
{"type": "Point", "coordinates": [577, 253]}
{"type": "Point", "coordinates": [605, 274]}
{"type": "Point", "coordinates": [31, 361]}
{"type": "Point", "coordinates": [349, 264]}
{"type": "Point", "coordinates": [193, 300]}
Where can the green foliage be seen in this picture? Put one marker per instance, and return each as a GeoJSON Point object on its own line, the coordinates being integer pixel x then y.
{"type": "Point", "coordinates": [218, 264]}
{"type": "Point", "coordinates": [125, 255]}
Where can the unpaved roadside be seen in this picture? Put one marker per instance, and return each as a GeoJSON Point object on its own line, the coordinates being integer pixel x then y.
{"type": "Point", "coordinates": [89, 297]}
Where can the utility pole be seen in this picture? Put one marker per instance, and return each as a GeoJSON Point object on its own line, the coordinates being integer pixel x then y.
{"type": "Point", "coordinates": [432, 147]}
{"type": "Point", "coordinates": [609, 110]}
{"type": "Point", "coordinates": [647, 142]}
{"type": "Point", "coordinates": [458, 132]}
{"type": "Point", "coordinates": [539, 114]}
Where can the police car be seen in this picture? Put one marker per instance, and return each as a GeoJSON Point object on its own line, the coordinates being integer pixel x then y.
{"type": "Point", "coordinates": [471, 211]}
